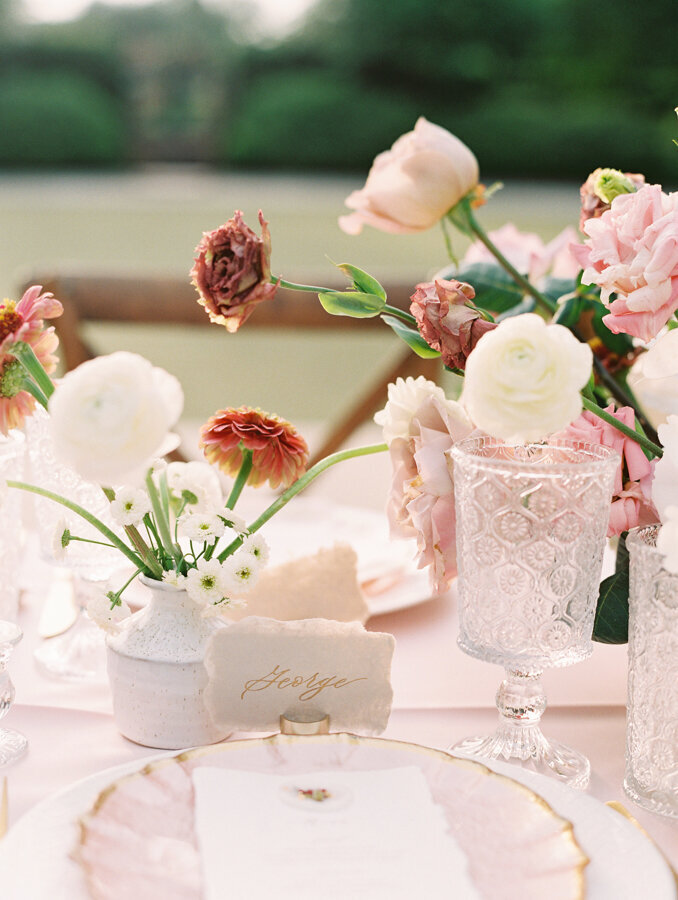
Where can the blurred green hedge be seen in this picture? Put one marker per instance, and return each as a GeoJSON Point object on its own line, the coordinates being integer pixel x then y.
{"type": "Point", "coordinates": [58, 118]}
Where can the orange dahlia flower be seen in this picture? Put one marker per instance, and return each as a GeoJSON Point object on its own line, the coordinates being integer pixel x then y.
{"type": "Point", "coordinates": [279, 453]}
{"type": "Point", "coordinates": [23, 321]}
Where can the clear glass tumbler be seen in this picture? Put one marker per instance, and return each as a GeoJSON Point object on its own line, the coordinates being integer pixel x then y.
{"type": "Point", "coordinates": [651, 778]}
{"type": "Point", "coordinates": [12, 743]}
{"type": "Point", "coordinates": [531, 527]}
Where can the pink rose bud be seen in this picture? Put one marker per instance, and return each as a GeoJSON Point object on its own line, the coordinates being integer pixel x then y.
{"type": "Point", "coordinates": [232, 271]}
{"type": "Point", "coordinates": [447, 319]}
{"type": "Point", "coordinates": [600, 189]}
{"type": "Point", "coordinates": [411, 186]}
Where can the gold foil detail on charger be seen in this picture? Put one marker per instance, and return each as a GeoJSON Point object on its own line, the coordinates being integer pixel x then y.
{"type": "Point", "coordinates": [342, 738]}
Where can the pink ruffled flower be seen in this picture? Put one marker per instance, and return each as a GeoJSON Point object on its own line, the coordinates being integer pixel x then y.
{"type": "Point", "coordinates": [232, 271]}
{"type": "Point", "coordinates": [632, 252]}
{"type": "Point", "coordinates": [632, 498]}
{"type": "Point", "coordinates": [421, 503]}
{"type": "Point", "coordinates": [528, 253]}
{"type": "Point", "coordinates": [24, 321]}
{"type": "Point", "coordinates": [279, 452]}
{"type": "Point", "coordinates": [445, 321]}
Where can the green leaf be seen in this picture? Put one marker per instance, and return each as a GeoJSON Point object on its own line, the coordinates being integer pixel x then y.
{"type": "Point", "coordinates": [495, 289]}
{"type": "Point", "coordinates": [568, 312]}
{"type": "Point", "coordinates": [411, 337]}
{"type": "Point", "coordinates": [555, 288]}
{"type": "Point", "coordinates": [527, 304]}
{"type": "Point", "coordinates": [351, 303]}
{"type": "Point", "coordinates": [362, 281]}
{"type": "Point", "coordinates": [617, 343]}
{"type": "Point", "coordinates": [611, 625]}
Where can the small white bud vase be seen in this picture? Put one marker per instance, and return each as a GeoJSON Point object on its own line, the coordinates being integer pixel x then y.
{"type": "Point", "coordinates": [157, 673]}
{"type": "Point", "coordinates": [651, 778]}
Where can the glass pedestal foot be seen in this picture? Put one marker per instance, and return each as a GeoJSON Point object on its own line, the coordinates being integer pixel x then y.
{"type": "Point", "coordinates": [12, 746]}
{"type": "Point", "coordinates": [528, 748]}
{"type": "Point", "coordinates": [78, 654]}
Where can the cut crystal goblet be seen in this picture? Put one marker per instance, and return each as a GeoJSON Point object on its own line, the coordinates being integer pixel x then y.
{"type": "Point", "coordinates": [12, 744]}
{"type": "Point", "coordinates": [531, 529]}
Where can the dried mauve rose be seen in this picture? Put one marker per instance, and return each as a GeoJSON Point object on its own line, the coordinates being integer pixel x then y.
{"type": "Point", "coordinates": [232, 271]}
{"type": "Point", "coordinates": [446, 322]}
{"type": "Point", "coordinates": [600, 189]}
{"type": "Point", "coordinates": [279, 453]}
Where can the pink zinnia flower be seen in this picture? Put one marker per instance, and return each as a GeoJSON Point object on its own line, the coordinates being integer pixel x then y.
{"type": "Point", "coordinates": [279, 453]}
{"type": "Point", "coordinates": [23, 321]}
{"type": "Point", "coordinates": [632, 497]}
{"type": "Point", "coordinates": [632, 252]}
{"type": "Point", "coordinates": [232, 271]}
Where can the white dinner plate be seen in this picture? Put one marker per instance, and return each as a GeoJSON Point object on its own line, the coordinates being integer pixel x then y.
{"type": "Point", "coordinates": [36, 863]}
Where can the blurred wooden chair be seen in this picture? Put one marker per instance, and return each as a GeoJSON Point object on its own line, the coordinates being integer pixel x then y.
{"type": "Point", "coordinates": [89, 297]}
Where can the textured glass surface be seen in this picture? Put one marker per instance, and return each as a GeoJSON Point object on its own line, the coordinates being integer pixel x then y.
{"type": "Point", "coordinates": [11, 466]}
{"type": "Point", "coordinates": [12, 744]}
{"type": "Point", "coordinates": [652, 716]}
{"type": "Point", "coordinates": [531, 525]}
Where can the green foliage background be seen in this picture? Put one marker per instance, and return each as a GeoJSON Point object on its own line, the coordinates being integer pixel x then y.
{"type": "Point", "coordinates": [544, 88]}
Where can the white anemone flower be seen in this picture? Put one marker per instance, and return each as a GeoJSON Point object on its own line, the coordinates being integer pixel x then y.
{"type": "Point", "coordinates": [201, 526]}
{"type": "Point", "coordinates": [61, 538]}
{"type": "Point", "coordinates": [200, 479]}
{"type": "Point", "coordinates": [234, 521]}
{"type": "Point", "coordinates": [257, 547]}
{"type": "Point", "coordinates": [206, 583]}
{"type": "Point", "coordinates": [176, 579]}
{"type": "Point", "coordinates": [130, 506]}
{"type": "Point", "coordinates": [241, 572]}
{"type": "Point", "coordinates": [104, 615]}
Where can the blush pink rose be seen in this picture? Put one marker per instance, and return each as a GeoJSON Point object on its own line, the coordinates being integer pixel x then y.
{"type": "Point", "coordinates": [631, 497]}
{"type": "Point", "coordinates": [632, 252]}
{"type": "Point", "coordinates": [421, 503]}
{"type": "Point", "coordinates": [528, 253]}
{"type": "Point", "coordinates": [411, 186]}
{"type": "Point", "coordinates": [445, 321]}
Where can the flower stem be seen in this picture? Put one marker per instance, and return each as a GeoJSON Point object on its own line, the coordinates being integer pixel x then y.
{"type": "Point", "coordinates": [399, 313]}
{"type": "Point", "coordinates": [32, 365]}
{"type": "Point", "coordinates": [624, 397]}
{"type": "Point", "coordinates": [241, 480]}
{"type": "Point", "coordinates": [163, 525]}
{"type": "Point", "coordinates": [636, 436]}
{"type": "Point", "coordinates": [290, 285]}
{"type": "Point", "coordinates": [88, 517]}
{"type": "Point", "coordinates": [135, 537]}
{"type": "Point", "coordinates": [448, 241]}
{"type": "Point", "coordinates": [298, 486]}
{"type": "Point", "coordinates": [546, 303]}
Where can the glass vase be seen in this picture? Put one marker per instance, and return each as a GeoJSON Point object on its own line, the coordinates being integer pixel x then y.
{"type": "Point", "coordinates": [651, 778]}
{"type": "Point", "coordinates": [531, 530]}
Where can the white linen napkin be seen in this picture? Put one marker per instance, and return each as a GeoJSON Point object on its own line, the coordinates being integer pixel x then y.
{"type": "Point", "coordinates": [378, 836]}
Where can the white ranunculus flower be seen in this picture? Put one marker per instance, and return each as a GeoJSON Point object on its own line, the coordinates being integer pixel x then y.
{"type": "Point", "coordinates": [667, 539]}
{"type": "Point", "coordinates": [665, 478]}
{"type": "Point", "coordinates": [112, 414]}
{"type": "Point", "coordinates": [405, 397]}
{"type": "Point", "coordinates": [654, 378]}
{"type": "Point", "coordinates": [522, 380]}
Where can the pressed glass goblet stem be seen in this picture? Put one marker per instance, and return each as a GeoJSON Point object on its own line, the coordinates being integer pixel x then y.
{"type": "Point", "coordinates": [12, 744]}
{"type": "Point", "coordinates": [521, 701]}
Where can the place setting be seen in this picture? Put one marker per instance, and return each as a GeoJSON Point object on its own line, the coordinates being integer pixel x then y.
{"type": "Point", "coordinates": [242, 649]}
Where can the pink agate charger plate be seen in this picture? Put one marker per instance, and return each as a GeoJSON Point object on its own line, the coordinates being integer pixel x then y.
{"type": "Point", "coordinates": [138, 840]}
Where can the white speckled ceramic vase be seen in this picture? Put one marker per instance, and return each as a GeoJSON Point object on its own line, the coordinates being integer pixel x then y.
{"type": "Point", "coordinates": [157, 673]}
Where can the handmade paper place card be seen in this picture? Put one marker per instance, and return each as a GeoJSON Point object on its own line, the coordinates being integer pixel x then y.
{"type": "Point", "coordinates": [260, 669]}
{"type": "Point", "coordinates": [322, 586]}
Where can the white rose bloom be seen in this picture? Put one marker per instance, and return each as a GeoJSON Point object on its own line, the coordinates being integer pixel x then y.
{"type": "Point", "coordinates": [130, 505]}
{"type": "Point", "coordinates": [665, 478]}
{"type": "Point", "coordinates": [100, 611]}
{"type": "Point", "coordinates": [667, 539]}
{"type": "Point", "coordinates": [112, 414]}
{"type": "Point", "coordinates": [257, 547]}
{"type": "Point", "coordinates": [200, 479]}
{"type": "Point", "coordinates": [654, 378]}
{"type": "Point", "coordinates": [405, 396]}
{"type": "Point", "coordinates": [206, 583]}
{"type": "Point", "coordinates": [201, 526]}
{"type": "Point", "coordinates": [522, 380]}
